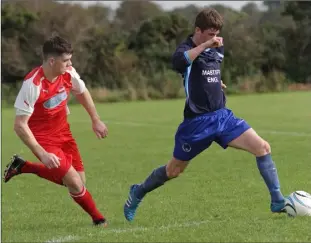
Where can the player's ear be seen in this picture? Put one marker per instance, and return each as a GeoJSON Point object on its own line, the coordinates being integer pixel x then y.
{"type": "Point", "coordinates": [51, 61]}
{"type": "Point", "coordinates": [197, 30]}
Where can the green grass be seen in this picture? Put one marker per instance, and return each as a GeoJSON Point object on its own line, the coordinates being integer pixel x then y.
{"type": "Point", "coordinates": [220, 198]}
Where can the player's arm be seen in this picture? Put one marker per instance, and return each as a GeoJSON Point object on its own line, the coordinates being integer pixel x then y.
{"type": "Point", "coordinates": [181, 58]}
{"type": "Point", "coordinates": [24, 104]}
{"type": "Point", "coordinates": [23, 131]}
{"type": "Point", "coordinates": [85, 99]}
{"type": "Point", "coordinates": [196, 51]}
{"type": "Point", "coordinates": [82, 94]}
{"type": "Point", "coordinates": [87, 102]}
{"type": "Point", "coordinates": [184, 56]}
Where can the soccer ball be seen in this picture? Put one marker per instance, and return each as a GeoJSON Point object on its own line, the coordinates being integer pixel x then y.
{"type": "Point", "coordinates": [298, 203]}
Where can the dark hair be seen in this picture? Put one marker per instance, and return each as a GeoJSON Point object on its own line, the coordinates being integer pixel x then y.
{"type": "Point", "coordinates": [56, 46]}
{"type": "Point", "coordinates": [209, 18]}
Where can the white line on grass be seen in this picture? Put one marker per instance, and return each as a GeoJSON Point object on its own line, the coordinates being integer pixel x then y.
{"type": "Point", "coordinates": [70, 238]}
{"type": "Point", "coordinates": [67, 238]}
{"type": "Point", "coordinates": [138, 124]}
{"type": "Point", "coordinates": [160, 227]}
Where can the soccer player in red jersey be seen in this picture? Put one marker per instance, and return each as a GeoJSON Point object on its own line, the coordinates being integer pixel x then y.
{"type": "Point", "coordinates": [41, 123]}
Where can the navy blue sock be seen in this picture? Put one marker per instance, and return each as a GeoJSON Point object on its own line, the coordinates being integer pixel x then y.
{"type": "Point", "coordinates": [269, 173]}
{"type": "Point", "coordinates": [156, 179]}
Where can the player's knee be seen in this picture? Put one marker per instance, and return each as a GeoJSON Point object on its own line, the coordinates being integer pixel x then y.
{"type": "Point", "coordinates": [173, 170]}
{"type": "Point", "coordinates": [73, 181]}
{"type": "Point", "coordinates": [83, 178]}
{"type": "Point", "coordinates": [75, 185]}
{"type": "Point", "coordinates": [263, 149]}
{"type": "Point", "coordinates": [173, 173]}
{"type": "Point", "coordinates": [267, 148]}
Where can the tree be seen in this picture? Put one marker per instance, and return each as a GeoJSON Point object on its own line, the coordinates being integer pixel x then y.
{"type": "Point", "coordinates": [157, 38]}
{"type": "Point", "coordinates": [15, 19]}
{"type": "Point", "coordinates": [272, 5]}
{"type": "Point", "coordinates": [131, 14]}
{"type": "Point", "coordinates": [190, 11]}
{"type": "Point", "coordinates": [298, 40]}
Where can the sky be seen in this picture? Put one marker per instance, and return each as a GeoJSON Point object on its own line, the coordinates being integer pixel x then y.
{"type": "Point", "coordinates": [168, 5]}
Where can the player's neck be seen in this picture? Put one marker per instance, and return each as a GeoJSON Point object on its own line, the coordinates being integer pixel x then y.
{"type": "Point", "coordinates": [49, 74]}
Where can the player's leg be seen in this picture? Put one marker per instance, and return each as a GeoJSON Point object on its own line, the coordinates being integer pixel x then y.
{"type": "Point", "coordinates": [191, 138]}
{"type": "Point", "coordinates": [250, 141]}
{"type": "Point", "coordinates": [64, 174]}
{"type": "Point", "coordinates": [20, 166]}
{"type": "Point", "coordinates": [156, 179]}
{"type": "Point", "coordinates": [82, 196]}
{"type": "Point", "coordinates": [71, 147]}
{"type": "Point", "coordinates": [82, 176]}
{"type": "Point", "coordinates": [160, 175]}
{"type": "Point", "coordinates": [75, 181]}
{"type": "Point", "coordinates": [238, 134]}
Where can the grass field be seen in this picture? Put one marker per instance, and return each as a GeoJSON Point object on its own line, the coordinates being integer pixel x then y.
{"type": "Point", "coordinates": [220, 198]}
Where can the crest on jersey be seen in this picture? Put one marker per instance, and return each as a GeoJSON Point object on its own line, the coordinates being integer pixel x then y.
{"type": "Point", "coordinates": [186, 147]}
{"type": "Point", "coordinates": [55, 100]}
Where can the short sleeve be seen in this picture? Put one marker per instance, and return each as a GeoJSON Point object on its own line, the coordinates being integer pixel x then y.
{"type": "Point", "coordinates": [181, 59]}
{"type": "Point", "coordinates": [27, 97]}
{"type": "Point", "coordinates": [78, 85]}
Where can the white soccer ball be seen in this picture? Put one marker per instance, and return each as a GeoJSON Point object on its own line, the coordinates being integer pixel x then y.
{"type": "Point", "coordinates": [298, 203]}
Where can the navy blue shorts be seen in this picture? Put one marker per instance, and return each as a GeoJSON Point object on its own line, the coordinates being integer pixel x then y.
{"type": "Point", "coordinates": [196, 134]}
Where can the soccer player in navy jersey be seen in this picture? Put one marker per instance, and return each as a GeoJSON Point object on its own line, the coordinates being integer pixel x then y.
{"type": "Point", "coordinates": [206, 119]}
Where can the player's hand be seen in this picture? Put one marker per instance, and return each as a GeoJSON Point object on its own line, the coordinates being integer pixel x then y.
{"type": "Point", "coordinates": [214, 42]}
{"type": "Point", "coordinates": [100, 129]}
{"type": "Point", "coordinates": [223, 85]}
{"type": "Point", "coordinates": [50, 160]}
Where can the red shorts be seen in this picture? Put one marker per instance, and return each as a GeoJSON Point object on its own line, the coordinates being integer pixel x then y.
{"type": "Point", "coordinates": [71, 148]}
{"type": "Point", "coordinates": [69, 155]}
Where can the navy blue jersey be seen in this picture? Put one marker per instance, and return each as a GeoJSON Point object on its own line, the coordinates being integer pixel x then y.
{"type": "Point", "coordinates": [202, 78]}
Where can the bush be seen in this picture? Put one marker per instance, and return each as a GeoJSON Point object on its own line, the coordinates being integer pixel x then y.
{"type": "Point", "coordinates": [275, 81]}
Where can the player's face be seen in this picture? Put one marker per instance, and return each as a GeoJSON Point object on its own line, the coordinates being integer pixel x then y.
{"type": "Point", "coordinates": [206, 34]}
{"type": "Point", "coordinates": [61, 63]}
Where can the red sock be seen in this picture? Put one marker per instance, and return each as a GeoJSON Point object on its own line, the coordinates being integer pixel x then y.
{"type": "Point", "coordinates": [41, 170]}
{"type": "Point", "coordinates": [85, 200]}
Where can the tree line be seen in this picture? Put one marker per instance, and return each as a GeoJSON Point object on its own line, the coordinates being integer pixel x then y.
{"type": "Point", "coordinates": [126, 54]}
